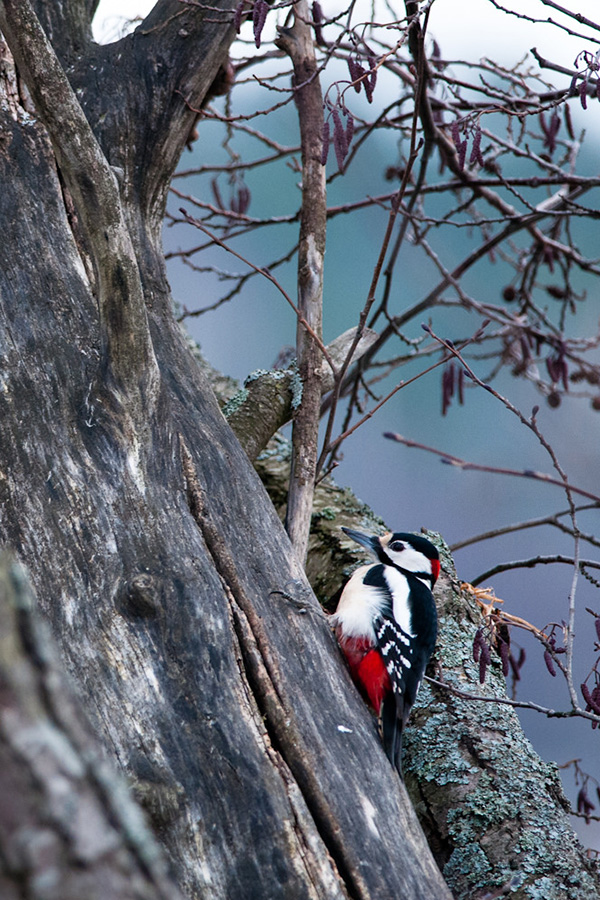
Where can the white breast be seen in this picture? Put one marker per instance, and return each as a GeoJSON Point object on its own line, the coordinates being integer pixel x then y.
{"type": "Point", "coordinates": [358, 606]}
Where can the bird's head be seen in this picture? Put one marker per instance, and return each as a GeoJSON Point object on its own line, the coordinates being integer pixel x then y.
{"type": "Point", "coordinates": [411, 552]}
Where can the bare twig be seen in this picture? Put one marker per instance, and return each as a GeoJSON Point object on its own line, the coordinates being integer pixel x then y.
{"type": "Point", "coordinates": [268, 276]}
{"type": "Point", "coordinates": [459, 463]}
{"type": "Point", "coordinates": [329, 447]}
{"type": "Point", "coordinates": [516, 704]}
{"type": "Point", "coordinates": [574, 561]}
{"type": "Point", "coordinates": [334, 445]}
{"type": "Point", "coordinates": [552, 519]}
{"type": "Point", "coordinates": [569, 491]}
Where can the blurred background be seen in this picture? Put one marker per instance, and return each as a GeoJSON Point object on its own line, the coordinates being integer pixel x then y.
{"type": "Point", "coordinates": [409, 488]}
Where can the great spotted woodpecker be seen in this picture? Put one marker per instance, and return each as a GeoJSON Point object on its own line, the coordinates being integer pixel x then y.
{"type": "Point", "coordinates": [386, 626]}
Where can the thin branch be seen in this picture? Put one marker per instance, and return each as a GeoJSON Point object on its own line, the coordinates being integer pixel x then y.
{"type": "Point", "coordinates": [568, 489]}
{"type": "Point", "coordinates": [516, 704]}
{"type": "Point", "coordinates": [552, 519]}
{"type": "Point", "coordinates": [268, 276]}
{"type": "Point", "coordinates": [451, 460]}
{"type": "Point", "coordinates": [532, 563]}
{"type": "Point", "coordinates": [335, 444]}
{"type": "Point", "coordinates": [297, 42]}
{"type": "Point", "coordinates": [328, 445]}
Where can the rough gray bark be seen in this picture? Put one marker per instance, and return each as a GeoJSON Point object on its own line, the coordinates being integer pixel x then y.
{"type": "Point", "coordinates": [68, 827]}
{"type": "Point", "coordinates": [154, 550]}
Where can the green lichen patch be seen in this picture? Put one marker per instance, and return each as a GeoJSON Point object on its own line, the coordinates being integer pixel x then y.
{"type": "Point", "coordinates": [235, 403]}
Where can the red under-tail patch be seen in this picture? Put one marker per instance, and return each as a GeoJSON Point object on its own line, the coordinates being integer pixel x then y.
{"type": "Point", "coordinates": [435, 569]}
{"type": "Point", "coordinates": [367, 669]}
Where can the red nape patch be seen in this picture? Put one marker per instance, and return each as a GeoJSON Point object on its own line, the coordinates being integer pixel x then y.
{"type": "Point", "coordinates": [435, 569]}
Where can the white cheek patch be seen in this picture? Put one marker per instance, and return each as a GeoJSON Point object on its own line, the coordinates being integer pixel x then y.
{"type": "Point", "coordinates": [410, 559]}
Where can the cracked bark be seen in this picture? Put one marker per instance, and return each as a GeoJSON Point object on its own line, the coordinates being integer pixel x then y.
{"type": "Point", "coordinates": [68, 827]}
{"type": "Point", "coordinates": [220, 700]}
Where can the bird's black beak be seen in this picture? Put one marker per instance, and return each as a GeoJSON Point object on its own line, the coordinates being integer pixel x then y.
{"type": "Point", "coordinates": [370, 541]}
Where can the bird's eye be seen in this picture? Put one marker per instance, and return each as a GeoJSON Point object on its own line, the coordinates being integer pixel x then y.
{"type": "Point", "coordinates": [397, 546]}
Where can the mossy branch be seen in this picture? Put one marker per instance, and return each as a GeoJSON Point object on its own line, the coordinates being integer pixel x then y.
{"type": "Point", "coordinates": [268, 399]}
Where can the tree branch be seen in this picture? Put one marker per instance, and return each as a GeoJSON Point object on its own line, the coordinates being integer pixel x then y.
{"type": "Point", "coordinates": [531, 563]}
{"type": "Point", "coordinates": [178, 49]}
{"type": "Point", "coordinates": [267, 400]}
{"type": "Point", "coordinates": [551, 519]}
{"type": "Point", "coordinates": [68, 25]}
{"type": "Point", "coordinates": [451, 460]}
{"type": "Point", "coordinates": [298, 44]}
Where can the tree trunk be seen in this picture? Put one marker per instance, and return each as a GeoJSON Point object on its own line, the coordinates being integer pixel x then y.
{"type": "Point", "coordinates": [153, 548]}
{"type": "Point", "coordinates": [68, 827]}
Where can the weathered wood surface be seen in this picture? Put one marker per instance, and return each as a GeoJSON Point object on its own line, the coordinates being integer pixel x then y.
{"type": "Point", "coordinates": [68, 826]}
{"type": "Point", "coordinates": [154, 550]}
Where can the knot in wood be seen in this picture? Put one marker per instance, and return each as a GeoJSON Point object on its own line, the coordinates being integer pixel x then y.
{"type": "Point", "coordinates": [139, 598]}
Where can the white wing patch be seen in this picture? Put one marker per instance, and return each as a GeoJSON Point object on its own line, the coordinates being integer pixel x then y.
{"type": "Point", "coordinates": [399, 589]}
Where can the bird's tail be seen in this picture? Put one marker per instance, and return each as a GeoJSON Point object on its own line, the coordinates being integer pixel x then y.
{"type": "Point", "coordinates": [392, 726]}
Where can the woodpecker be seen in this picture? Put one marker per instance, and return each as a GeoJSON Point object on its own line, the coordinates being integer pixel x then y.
{"type": "Point", "coordinates": [386, 626]}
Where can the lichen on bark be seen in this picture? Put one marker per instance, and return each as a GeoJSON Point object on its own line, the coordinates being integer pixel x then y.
{"type": "Point", "coordinates": [495, 812]}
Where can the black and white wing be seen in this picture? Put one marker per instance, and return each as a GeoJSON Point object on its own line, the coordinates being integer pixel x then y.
{"type": "Point", "coordinates": [397, 649]}
{"type": "Point", "coordinates": [405, 632]}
